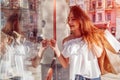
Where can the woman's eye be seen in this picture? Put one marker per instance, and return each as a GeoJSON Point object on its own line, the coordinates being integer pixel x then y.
{"type": "Point", "coordinates": [73, 19]}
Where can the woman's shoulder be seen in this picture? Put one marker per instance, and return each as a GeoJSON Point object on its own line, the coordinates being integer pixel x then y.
{"type": "Point", "coordinates": [66, 39]}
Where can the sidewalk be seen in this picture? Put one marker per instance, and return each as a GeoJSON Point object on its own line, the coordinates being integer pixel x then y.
{"type": "Point", "coordinates": [110, 76]}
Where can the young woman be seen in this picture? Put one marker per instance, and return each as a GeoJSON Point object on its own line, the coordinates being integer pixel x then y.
{"type": "Point", "coordinates": [11, 31]}
{"type": "Point", "coordinates": [11, 26]}
{"type": "Point", "coordinates": [84, 48]}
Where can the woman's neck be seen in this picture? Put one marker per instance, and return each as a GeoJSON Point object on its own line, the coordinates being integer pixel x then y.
{"type": "Point", "coordinates": [76, 34]}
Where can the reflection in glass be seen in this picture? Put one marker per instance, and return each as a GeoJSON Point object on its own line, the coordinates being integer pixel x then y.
{"type": "Point", "coordinates": [36, 24]}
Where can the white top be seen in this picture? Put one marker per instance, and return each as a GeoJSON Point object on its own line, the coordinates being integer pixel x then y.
{"type": "Point", "coordinates": [82, 61]}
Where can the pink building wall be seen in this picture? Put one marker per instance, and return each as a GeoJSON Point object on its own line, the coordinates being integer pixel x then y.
{"type": "Point", "coordinates": [104, 10]}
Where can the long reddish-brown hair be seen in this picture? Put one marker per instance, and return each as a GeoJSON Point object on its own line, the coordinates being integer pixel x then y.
{"type": "Point", "coordinates": [90, 33]}
{"type": "Point", "coordinates": [12, 24]}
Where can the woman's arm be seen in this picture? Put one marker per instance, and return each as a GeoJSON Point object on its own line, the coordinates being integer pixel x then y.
{"type": "Point", "coordinates": [64, 61]}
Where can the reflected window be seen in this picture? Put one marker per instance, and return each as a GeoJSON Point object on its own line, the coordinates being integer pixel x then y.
{"type": "Point", "coordinates": [108, 16]}
{"type": "Point", "coordinates": [113, 31]}
{"type": "Point", "coordinates": [99, 3]}
{"type": "Point", "coordinates": [30, 6]}
{"type": "Point", "coordinates": [99, 16]}
{"type": "Point", "coordinates": [31, 18]}
{"type": "Point", "coordinates": [2, 19]}
{"type": "Point", "coordinates": [109, 3]}
{"type": "Point", "coordinates": [93, 17]}
{"type": "Point", "coordinates": [14, 4]}
{"type": "Point", "coordinates": [93, 4]}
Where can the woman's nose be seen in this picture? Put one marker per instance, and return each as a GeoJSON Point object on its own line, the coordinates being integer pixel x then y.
{"type": "Point", "coordinates": [70, 22]}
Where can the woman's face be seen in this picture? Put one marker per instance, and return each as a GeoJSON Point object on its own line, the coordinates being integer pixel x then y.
{"type": "Point", "coordinates": [73, 22]}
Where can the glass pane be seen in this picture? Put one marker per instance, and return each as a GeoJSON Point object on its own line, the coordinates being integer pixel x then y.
{"type": "Point", "coordinates": [35, 20]}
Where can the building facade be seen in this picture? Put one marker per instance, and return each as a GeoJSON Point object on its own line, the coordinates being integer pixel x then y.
{"type": "Point", "coordinates": [103, 14]}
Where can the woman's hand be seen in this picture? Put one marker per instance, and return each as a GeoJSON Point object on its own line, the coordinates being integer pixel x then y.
{"type": "Point", "coordinates": [54, 46]}
{"type": "Point", "coordinates": [44, 44]}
